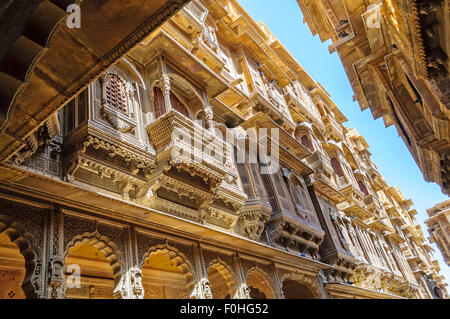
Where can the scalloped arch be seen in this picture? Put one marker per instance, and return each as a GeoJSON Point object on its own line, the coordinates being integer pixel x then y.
{"type": "Point", "coordinates": [182, 262]}
{"type": "Point", "coordinates": [309, 282]}
{"type": "Point", "coordinates": [348, 154]}
{"type": "Point", "coordinates": [105, 246]}
{"type": "Point", "coordinates": [226, 271]}
{"type": "Point", "coordinates": [27, 247]}
{"type": "Point", "coordinates": [262, 282]}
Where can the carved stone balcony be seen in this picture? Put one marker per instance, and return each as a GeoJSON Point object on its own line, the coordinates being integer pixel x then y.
{"type": "Point", "coordinates": [374, 278]}
{"type": "Point", "coordinates": [194, 170]}
{"type": "Point", "coordinates": [333, 129]}
{"type": "Point", "coordinates": [98, 159]}
{"type": "Point", "coordinates": [372, 204]}
{"type": "Point", "coordinates": [354, 204]}
{"type": "Point", "coordinates": [287, 230]}
{"type": "Point", "coordinates": [286, 140]}
{"type": "Point", "coordinates": [391, 209]}
{"type": "Point", "coordinates": [293, 100]}
{"type": "Point", "coordinates": [379, 224]}
{"type": "Point", "coordinates": [323, 178]}
{"type": "Point", "coordinates": [344, 265]}
{"type": "Point", "coordinates": [262, 103]}
{"type": "Point", "coordinates": [393, 235]}
{"type": "Point", "coordinates": [192, 18]}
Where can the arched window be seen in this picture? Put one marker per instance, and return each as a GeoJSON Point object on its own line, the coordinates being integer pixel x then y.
{"type": "Point", "coordinates": [116, 95]}
{"type": "Point", "coordinates": [337, 167]}
{"type": "Point", "coordinates": [160, 108]}
{"type": "Point", "coordinates": [363, 188]}
{"type": "Point", "coordinates": [200, 118]}
{"type": "Point", "coordinates": [306, 142]}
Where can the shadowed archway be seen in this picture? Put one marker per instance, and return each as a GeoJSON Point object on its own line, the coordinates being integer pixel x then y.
{"type": "Point", "coordinates": [221, 278]}
{"type": "Point", "coordinates": [294, 290]}
{"type": "Point", "coordinates": [258, 282]}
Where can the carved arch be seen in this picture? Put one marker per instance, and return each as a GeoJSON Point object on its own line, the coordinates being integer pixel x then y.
{"type": "Point", "coordinates": [27, 247]}
{"type": "Point", "coordinates": [309, 282]}
{"type": "Point", "coordinates": [318, 134]}
{"type": "Point", "coordinates": [176, 77]}
{"type": "Point", "coordinates": [334, 148]}
{"type": "Point", "coordinates": [362, 177]}
{"type": "Point", "coordinates": [105, 246]}
{"type": "Point", "coordinates": [257, 278]}
{"type": "Point", "coordinates": [184, 83]}
{"type": "Point", "coordinates": [227, 273]}
{"type": "Point", "coordinates": [209, 19]}
{"type": "Point", "coordinates": [135, 74]}
{"type": "Point", "coordinates": [182, 262]}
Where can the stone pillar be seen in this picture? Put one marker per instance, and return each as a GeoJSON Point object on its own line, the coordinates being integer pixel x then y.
{"type": "Point", "coordinates": [202, 288]}
{"type": "Point", "coordinates": [279, 281]}
{"type": "Point", "coordinates": [209, 117]}
{"type": "Point", "coordinates": [56, 264]}
{"type": "Point", "coordinates": [165, 85]}
{"type": "Point", "coordinates": [103, 90]}
{"type": "Point", "coordinates": [243, 291]}
{"type": "Point", "coordinates": [132, 101]}
{"type": "Point", "coordinates": [356, 240]}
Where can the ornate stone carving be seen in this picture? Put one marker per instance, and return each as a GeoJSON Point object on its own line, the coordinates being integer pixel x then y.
{"type": "Point", "coordinates": [116, 122]}
{"type": "Point", "coordinates": [219, 217]}
{"type": "Point", "coordinates": [56, 272]}
{"type": "Point", "coordinates": [252, 222]}
{"type": "Point", "coordinates": [339, 230]}
{"type": "Point", "coordinates": [130, 285]}
{"type": "Point", "coordinates": [125, 170]}
{"type": "Point", "coordinates": [202, 290]}
{"type": "Point", "coordinates": [43, 136]}
{"type": "Point", "coordinates": [209, 117]}
{"type": "Point", "coordinates": [213, 188]}
{"type": "Point", "coordinates": [243, 292]}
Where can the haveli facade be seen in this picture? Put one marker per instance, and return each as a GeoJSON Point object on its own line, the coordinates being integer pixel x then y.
{"type": "Point", "coordinates": [396, 56]}
{"type": "Point", "coordinates": [438, 225]}
{"type": "Point", "coordinates": [96, 187]}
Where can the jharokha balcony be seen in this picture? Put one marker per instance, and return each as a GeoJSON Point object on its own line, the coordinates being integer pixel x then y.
{"type": "Point", "coordinates": [194, 177]}
{"type": "Point", "coordinates": [372, 204]}
{"type": "Point", "coordinates": [333, 129]}
{"type": "Point", "coordinates": [323, 177]}
{"type": "Point", "coordinates": [354, 203]}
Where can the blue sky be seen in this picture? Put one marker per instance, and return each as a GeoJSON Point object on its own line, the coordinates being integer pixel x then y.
{"type": "Point", "coordinates": [389, 153]}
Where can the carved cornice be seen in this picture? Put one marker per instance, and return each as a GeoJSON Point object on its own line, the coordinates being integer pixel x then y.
{"type": "Point", "coordinates": [73, 89]}
{"type": "Point", "coordinates": [220, 218]}
{"type": "Point", "coordinates": [129, 156]}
